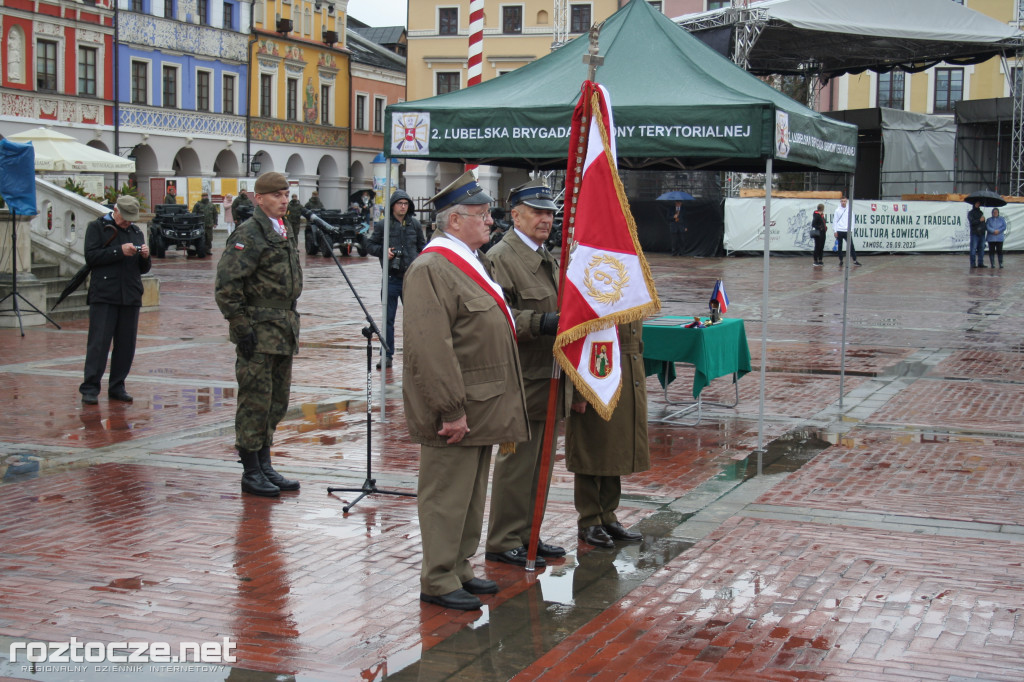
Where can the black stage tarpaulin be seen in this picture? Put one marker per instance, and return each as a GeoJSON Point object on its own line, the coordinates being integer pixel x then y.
{"type": "Point", "coordinates": [702, 219]}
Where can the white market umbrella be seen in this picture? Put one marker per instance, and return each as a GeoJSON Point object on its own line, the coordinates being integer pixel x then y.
{"type": "Point", "coordinates": [59, 152]}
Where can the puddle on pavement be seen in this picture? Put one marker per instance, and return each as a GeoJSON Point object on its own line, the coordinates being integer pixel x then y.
{"type": "Point", "coordinates": [564, 597]}
{"type": "Point", "coordinates": [788, 452]}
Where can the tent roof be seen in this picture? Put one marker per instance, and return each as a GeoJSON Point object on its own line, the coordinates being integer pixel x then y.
{"type": "Point", "coordinates": [833, 38]}
{"type": "Point", "coordinates": [677, 104]}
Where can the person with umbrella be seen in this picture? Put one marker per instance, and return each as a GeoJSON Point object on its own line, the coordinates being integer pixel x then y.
{"type": "Point", "coordinates": [118, 261]}
{"type": "Point", "coordinates": [977, 223]}
{"type": "Point", "coordinates": [976, 220]}
{"type": "Point", "coordinates": [676, 228]}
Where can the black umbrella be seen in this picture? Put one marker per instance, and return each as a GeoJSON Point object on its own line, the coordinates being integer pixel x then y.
{"type": "Point", "coordinates": [76, 281]}
{"type": "Point", "coordinates": [986, 197]}
{"type": "Point", "coordinates": [358, 197]}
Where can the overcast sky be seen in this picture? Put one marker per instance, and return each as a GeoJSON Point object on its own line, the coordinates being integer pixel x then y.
{"type": "Point", "coordinates": [378, 12]}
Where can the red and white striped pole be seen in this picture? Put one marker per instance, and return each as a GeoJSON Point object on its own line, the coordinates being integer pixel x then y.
{"type": "Point", "coordinates": [476, 41]}
{"type": "Point", "coordinates": [476, 48]}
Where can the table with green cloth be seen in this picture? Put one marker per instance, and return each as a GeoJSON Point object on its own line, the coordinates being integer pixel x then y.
{"type": "Point", "coordinates": [714, 351]}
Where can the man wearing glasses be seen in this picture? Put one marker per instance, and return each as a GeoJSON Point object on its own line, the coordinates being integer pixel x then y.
{"type": "Point", "coordinates": [462, 388]}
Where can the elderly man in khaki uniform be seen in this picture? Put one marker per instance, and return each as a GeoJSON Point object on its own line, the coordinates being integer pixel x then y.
{"type": "Point", "coordinates": [599, 452]}
{"type": "Point", "coordinates": [529, 274]}
{"type": "Point", "coordinates": [462, 388]}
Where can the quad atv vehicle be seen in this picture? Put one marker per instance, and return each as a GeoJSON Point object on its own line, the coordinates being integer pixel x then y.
{"type": "Point", "coordinates": [174, 227]}
{"type": "Point", "coordinates": [347, 231]}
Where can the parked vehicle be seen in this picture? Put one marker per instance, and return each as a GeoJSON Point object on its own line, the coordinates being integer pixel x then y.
{"type": "Point", "coordinates": [173, 226]}
{"type": "Point", "coordinates": [348, 231]}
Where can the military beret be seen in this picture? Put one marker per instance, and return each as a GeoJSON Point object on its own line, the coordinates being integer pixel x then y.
{"type": "Point", "coordinates": [270, 182]}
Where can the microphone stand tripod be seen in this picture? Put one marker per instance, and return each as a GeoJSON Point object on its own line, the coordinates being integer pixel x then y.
{"type": "Point", "coordinates": [14, 295]}
{"type": "Point", "coordinates": [369, 486]}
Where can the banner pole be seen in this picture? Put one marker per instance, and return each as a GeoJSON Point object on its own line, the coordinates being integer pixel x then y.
{"type": "Point", "coordinates": [568, 223]}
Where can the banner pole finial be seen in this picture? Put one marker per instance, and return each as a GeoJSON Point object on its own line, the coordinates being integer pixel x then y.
{"type": "Point", "coordinates": [591, 58]}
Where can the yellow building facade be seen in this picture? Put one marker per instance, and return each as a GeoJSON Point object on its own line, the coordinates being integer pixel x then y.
{"type": "Point", "coordinates": [299, 95]}
{"type": "Point", "coordinates": [514, 35]}
{"type": "Point", "coordinates": [936, 90]}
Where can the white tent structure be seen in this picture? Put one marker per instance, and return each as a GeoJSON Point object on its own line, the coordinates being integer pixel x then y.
{"type": "Point", "coordinates": [823, 39]}
{"type": "Point", "coordinates": [57, 152]}
{"type": "Point", "coordinates": [829, 38]}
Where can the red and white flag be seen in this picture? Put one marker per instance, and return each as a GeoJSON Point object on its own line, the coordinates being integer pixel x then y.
{"type": "Point", "coordinates": [607, 281]}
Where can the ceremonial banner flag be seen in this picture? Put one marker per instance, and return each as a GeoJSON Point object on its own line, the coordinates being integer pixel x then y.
{"type": "Point", "coordinates": [718, 294]}
{"type": "Point", "coordinates": [607, 281]}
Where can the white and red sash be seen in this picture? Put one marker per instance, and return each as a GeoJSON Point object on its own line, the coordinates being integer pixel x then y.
{"type": "Point", "coordinates": [460, 257]}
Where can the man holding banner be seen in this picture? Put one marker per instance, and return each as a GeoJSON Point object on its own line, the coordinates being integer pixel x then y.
{"type": "Point", "coordinates": [608, 291]}
{"type": "Point", "coordinates": [599, 452]}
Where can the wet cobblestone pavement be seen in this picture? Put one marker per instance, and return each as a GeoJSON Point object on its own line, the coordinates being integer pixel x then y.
{"type": "Point", "coordinates": [879, 539]}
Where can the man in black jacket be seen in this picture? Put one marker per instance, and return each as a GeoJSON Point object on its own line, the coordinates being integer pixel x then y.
{"type": "Point", "coordinates": [405, 241]}
{"type": "Point", "coordinates": [116, 251]}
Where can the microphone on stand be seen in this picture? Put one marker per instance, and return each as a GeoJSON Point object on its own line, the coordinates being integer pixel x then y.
{"type": "Point", "coordinates": [315, 221]}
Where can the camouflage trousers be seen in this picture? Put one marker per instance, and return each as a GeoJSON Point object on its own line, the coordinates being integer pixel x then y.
{"type": "Point", "coordinates": [264, 383]}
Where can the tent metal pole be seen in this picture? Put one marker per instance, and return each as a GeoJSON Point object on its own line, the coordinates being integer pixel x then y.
{"type": "Point", "coordinates": [764, 307]}
{"type": "Point", "coordinates": [846, 290]}
{"type": "Point", "coordinates": [384, 288]}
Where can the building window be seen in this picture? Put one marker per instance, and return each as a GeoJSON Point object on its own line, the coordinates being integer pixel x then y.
{"type": "Point", "coordinates": [140, 83]}
{"type": "Point", "coordinates": [949, 89]}
{"type": "Point", "coordinates": [201, 10]}
{"type": "Point", "coordinates": [266, 91]}
{"type": "Point", "coordinates": [512, 19]}
{"type": "Point", "coordinates": [202, 91]}
{"type": "Point", "coordinates": [169, 9]}
{"type": "Point", "coordinates": [46, 65]}
{"type": "Point", "coordinates": [379, 104]}
{"type": "Point", "coordinates": [170, 86]}
{"type": "Point", "coordinates": [229, 15]}
{"type": "Point", "coordinates": [87, 71]}
{"type": "Point", "coordinates": [579, 19]}
{"type": "Point", "coordinates": [292, 96]}
{"type": "Point", "coordinates": [719, 4]}
{"type": "Point", "coordinates": [360, 112]}
{"type": "Point", "coordinates": [228, 94]}
{"type": "Point", "coordinates": [656, 6]}
{"type": "Point", "coordinates": [325, 105]}
{"type": "Point", "coordinates": [137, 6]}
{"type": "Point", "coordinates": [448, 21]}
{"type": "Point", "coordinates": [890, 89]}
{"type": "Point", "coordinates": [448, 81]}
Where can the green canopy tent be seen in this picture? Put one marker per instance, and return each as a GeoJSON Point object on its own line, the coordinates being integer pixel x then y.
{"type": "Point", "coordinates": [677, 104]}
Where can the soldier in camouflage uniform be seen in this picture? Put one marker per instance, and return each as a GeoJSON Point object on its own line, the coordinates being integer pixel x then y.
{"type": "Point", "coordinates": [258, 281]}
{"type": "Point", "coordinates": [314, 203]}
{"type": "Point", "coordinates": [241, 200]}
{"type": "Point", "coordinates": [294, 215]}
{"type": "Point", "coordinates": [206, 209]}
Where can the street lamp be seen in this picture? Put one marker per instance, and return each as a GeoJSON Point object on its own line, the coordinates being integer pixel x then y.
{"type": "Point", "coordinates": [252, 163]}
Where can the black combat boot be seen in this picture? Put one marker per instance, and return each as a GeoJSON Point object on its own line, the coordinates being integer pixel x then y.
{"type": "Point", "coordinates": [253, 480]}
{"type": "Point", "coordinates": [275, 478]}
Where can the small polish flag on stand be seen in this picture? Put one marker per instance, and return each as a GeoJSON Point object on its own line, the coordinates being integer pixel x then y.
{"type": "Point", "coordinates": [718, 294]}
